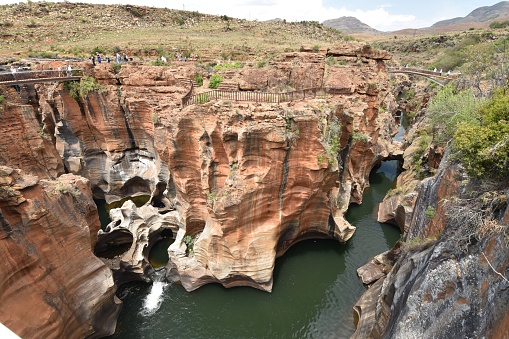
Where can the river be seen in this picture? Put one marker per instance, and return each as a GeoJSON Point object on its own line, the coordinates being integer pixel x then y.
{"type": "Point", "coordinates": [315, 287]}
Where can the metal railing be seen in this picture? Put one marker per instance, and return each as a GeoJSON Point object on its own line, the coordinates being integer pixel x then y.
{"type": "Point", "coordinates": [39, 76]}
{"type": "Point", "coordinates": [250, 96]}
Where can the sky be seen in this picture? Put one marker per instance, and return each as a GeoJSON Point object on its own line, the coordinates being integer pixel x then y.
{"type": "Point", "coordinates": [384, 15]}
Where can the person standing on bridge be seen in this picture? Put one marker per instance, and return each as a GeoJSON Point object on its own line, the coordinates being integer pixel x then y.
{"type": "Point", "coordinates": [59, 71]}
{"type": "Point", "coordinates": [69, 71]}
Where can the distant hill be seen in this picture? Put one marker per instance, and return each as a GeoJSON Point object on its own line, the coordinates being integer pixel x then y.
{"type": "Point", "coordinates": [349, 25]}
{"type": "Point", "coordinates": [479, 17]}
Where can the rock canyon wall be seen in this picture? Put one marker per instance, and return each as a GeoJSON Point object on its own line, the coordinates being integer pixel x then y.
{"type": "Point", "coordinates": [236, 183]}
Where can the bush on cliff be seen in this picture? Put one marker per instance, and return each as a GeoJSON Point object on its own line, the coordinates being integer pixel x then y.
{"type": "Point", "coordinates": [215, 80]}
{"type": "Point", "coordinates": [81, 89]}
{"type": "Point", "coordinates": [482, 145]}
{"type": "Point", "coordinates": [448, 109]}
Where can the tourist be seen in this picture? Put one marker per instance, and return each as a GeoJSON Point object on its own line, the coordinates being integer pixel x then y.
{"type": "Point", "coordinates": [92, 57]}
{"type": "Point", "coordinates": [98, 58]}
{"type": "Point", "coordinates": [108, 59]}
{"type": "Point", "coordinates": [59, 71]}
{"type": "Point", "coordinates": [118, 57]}
{"type": "Point", "coordinates": [69, 71]}
{"type": "Point", "coordinates": [163, 59]}
{"type": "Point", "coordinates": [125, 58]}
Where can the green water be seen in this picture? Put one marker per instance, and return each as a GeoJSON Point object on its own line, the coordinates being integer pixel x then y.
{"type": "Point", "coordinates": [104, 216]}
{"type": "Point", "coordinates": [315, 287]}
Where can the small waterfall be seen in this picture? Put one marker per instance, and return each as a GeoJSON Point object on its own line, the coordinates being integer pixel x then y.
{"type": "Point", "coordinates": [154, 299]}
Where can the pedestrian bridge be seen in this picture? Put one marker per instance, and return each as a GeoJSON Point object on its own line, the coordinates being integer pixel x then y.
{"type": "Point", "coordinates": [35, 77]}
{"type": "Point", "coordinates": [440, 78]}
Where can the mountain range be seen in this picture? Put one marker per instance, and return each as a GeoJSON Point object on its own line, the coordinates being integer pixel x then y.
{"type": "Point", "coordinates": [480, 17]}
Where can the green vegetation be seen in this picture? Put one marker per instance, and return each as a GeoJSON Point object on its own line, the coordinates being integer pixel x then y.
{"type": "Point", "coordinates": [291, 130]}
{"type": "Point", "coordinates": [261, 64]}
{"type": "Point", "coordinates": [482, 145]}
{"type": "Point", "coordinates": [496, 24]}
{"type": "Point", "coordinates": [198, 79]}
{"type": "Point", "coordinates": [2, 98]}
{"type": "Point", "coordinates": [211, 198]}
{"type": "Point", "coordinates": [202, 98]}
{"type": "Point", "coordinates": [228, 65]}
{"type": "Point", "coordinates": [81, 89]}
{"type": "Point", "coordinates": [188, 240]}
{"type": "Point", "coordinates": [116, 67]}
{"type": "Point", "coordinates": [332, 139]}
{"type": "Point", "coordinates": [158, 62]}
{"type": "Point", "coordinates": [430, 212]}
{"type": "Point", "coordinates": [64, 188]}
{"type": "Point", "coordinates": [215, 80]}
{"type": "Point", "coordinates": [448, 109]}
{"type": "Point", "coordinates": [43, 54]}
{"type": "Point", "coordinates": [418, 161]}
{"type": "Point", "coordinates": [357, 136]}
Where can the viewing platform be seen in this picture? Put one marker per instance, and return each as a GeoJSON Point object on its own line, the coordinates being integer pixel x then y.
{"type": "Point", "coordinates": [34, 77]}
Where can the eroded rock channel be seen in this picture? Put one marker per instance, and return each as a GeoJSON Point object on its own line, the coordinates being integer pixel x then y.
{"type": "Point", "coordinates": [235, 184]}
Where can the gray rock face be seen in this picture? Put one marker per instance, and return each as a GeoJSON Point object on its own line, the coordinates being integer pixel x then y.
{"type": "Point", "coordinates": [442, 292]}
{"type": "Point", "coordinates": [454, 287]}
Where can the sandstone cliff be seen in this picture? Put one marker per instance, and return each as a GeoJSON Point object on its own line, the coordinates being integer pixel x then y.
{"type": "Point", "coordinates": [245, 181]}
{"type": "Point", "coordinates": [52, 286]}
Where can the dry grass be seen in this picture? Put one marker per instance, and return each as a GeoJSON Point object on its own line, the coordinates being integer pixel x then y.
{"type": "Point", "coordinates": [69, 29]}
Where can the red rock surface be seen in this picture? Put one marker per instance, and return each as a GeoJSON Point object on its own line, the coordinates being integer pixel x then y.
{"type": "Point", "coordinates": [52, 286]}
{"type": "Point", "coordinates": [246, 180]}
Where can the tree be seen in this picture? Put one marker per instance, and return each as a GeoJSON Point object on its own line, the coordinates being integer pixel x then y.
{"type": "Point", "coordinates": [483, 146]}
{"type": "Point", "coordinates": [448, 109]}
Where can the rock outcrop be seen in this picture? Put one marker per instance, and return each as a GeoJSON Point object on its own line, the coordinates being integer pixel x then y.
{"type": "Point", "coordinates": [235, 183]}
{"type": "Point", "coordinates": [52, 286]}
{"type": "Point", "coordinates": [453, 286]}
{"type": "Point", "coordinates": [244, 181]}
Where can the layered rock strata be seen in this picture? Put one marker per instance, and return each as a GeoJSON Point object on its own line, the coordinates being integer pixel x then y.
{"type": "Point", "coordinates": [245, 181]}
{"type": "Point", "coordinates": [52, 286]}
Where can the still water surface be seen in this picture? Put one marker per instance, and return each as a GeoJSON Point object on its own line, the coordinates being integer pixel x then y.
{"type": "Point", "coordinates": [315, 288]}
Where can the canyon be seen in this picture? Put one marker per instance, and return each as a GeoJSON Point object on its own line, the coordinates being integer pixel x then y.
{"type": "Point", "coordinates": [235, 183]}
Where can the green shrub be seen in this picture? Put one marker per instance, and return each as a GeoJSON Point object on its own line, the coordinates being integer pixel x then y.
{"type": "Point", "coordinates": [43, 54]}
{"type": "Point", "coordinates": [215, 80]}
{"type": "Point", "coordinates": [158, 62]}
{"type": "Point", "coordinates": [430, 212]}
{"type": "Point", "coordinates": [448, 109]}
{"type": "Point", "coordinates": [81, 89]}
{"type": "Point", "coordinates": [2, 98]}
{"type": "Point", "coordinates": [98, 49]}
{"type": "Point", "coordinates": [198, 79]}
{"type": "Point", "coordinates": [116, 67]}
{"type": "Point", "coordinates": [332, 139]}
{"type": "Point", "coordinates": [261, 64]}
{"type": "Point", "coordinates": [188, 240]}
{"type": "Point", "coordinates": [482, 145]}
{"type": "Point", "coordinates": [357, 136]}
{"type": "Point", "coordinates": [228, 65]}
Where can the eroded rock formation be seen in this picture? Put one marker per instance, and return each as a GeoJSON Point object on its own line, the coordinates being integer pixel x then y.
{"type": "Point", "coordinates": [52, 286]}
{"type": "Point", "coordinates": [237, 183]}
{"type": "Point", "coordinates": [450, 278]}
{"type": "Point", "coordinates": [246, 180]}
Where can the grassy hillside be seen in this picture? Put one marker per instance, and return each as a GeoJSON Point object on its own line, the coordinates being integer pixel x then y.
{"type": "Point", "coordinates": [69, 29]}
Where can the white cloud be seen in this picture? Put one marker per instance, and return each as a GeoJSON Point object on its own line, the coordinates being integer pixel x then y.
{"type": "Point", "coordinates": [291, 10]}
